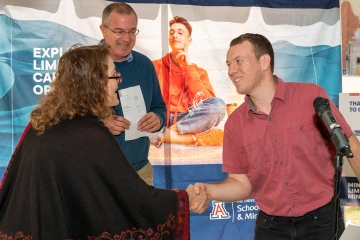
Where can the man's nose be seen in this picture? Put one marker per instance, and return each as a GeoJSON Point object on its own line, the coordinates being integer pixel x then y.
{"type": "Point", "coordinates": [232, 69]}
{"type": "Point", "coordinates": [126, 37]}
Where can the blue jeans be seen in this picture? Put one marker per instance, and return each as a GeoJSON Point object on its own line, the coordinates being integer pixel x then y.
{"type": "Point", "coordinates": [206, 115]}
{"type": "Point", "coordinates": [316, 224]}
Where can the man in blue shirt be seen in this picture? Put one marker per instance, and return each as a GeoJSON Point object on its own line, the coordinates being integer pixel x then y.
{"type": "Point", "coordinates": [119, 29]}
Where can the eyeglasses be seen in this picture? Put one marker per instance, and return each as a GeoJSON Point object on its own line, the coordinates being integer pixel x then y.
{"type": "Point", "coordinates": [117, 77]}
{"type": "Point", "coordinates": [122, 33]}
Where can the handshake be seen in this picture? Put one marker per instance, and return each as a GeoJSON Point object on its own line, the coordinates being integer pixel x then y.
{"type": "Point", "coordinates": [198, 197]}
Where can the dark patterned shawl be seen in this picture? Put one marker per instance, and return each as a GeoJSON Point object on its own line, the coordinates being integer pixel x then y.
{"type": "Point", "coordinates": [74, 182]}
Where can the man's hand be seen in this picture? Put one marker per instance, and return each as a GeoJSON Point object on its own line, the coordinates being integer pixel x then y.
{"type": "Point", "coordinates": [198, 199]}
{"type": "Point", "coordinates": [182, 58]}
{"type": "Point", "coordinates": [149, 123]}
{"type": "Point", "coordinates": [116, 124]}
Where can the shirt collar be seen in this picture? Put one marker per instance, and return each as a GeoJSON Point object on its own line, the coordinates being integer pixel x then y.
{"type": "Point", "coordinates": [128, 58]}
{"type": "Point", "coordinates": [279, 94]}
{"type": "Point", "coordinates": [280, 89]}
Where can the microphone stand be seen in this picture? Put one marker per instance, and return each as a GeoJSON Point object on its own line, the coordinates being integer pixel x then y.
{"type": "Point", "coordinates": [341, 143]}
{"type": "Point", "coordinates": [338, 162]}
{"type": "Point", "coordinates": [335, 223]}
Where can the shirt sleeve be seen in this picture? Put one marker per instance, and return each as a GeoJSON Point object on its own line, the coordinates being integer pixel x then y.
{"type": "Point", "coordinates": [197, 80]}
{"type": "Point", "coordinates": [234, 156]}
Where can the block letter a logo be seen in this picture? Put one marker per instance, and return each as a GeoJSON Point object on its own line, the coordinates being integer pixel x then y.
{"type": "Point", "coordinates": [219, 211]}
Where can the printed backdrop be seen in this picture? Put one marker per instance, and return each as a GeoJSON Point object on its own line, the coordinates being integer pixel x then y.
{"type": "Point", "coordinates": [305, 36]}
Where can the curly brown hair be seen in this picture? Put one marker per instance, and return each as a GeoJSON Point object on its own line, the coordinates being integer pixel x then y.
{"type": "Point", "coordinates": [79, 88]}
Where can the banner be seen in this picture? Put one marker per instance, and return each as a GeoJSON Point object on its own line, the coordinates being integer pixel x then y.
{"type": "Point", "coordinates": [305, 36]}
{"type": "Point", "coordinates": [349, 186]}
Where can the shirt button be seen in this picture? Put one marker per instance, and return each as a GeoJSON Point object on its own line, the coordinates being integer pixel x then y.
{"type": "Point", "coordinates": [286, 183]}
{"type": "Point", "coordinates": [293, 206]}
{"type": "Point", "coordinates": [281, 163]}
{"type": "Point", "coordinates": [275, 141]}
{"type": "Point", "coordinates": [270, 119]}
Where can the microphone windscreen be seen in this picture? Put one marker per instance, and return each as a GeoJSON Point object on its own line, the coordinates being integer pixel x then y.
{"type": "Point", "coordinates": [318, 102]}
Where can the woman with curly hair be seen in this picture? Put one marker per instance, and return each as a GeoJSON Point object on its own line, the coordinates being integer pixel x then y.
{"type": "Point", "coordinates": [68, 177]}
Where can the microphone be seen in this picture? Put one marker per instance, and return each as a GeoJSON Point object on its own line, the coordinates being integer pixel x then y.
{"type": "Point", "coordinates": [341, 142]}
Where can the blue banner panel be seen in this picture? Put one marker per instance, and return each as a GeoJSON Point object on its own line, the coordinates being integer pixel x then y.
{"type": "Point", "coordinates": [2, 171]}
{"type": "Point", "coordinates": [350, 191]}
{"type": "Point", "coordinates": [230, 221]}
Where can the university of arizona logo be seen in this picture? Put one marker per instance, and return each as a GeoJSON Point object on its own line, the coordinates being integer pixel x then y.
{"type": "Point", "coordinates": [219, 211]}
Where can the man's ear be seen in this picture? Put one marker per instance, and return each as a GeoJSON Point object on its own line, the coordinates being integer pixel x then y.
{"type": "Point", "coordinates": [265, 61]}
{"type": "Point", "coordinates": [102, 29]}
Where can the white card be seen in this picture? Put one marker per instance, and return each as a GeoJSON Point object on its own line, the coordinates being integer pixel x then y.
{"type": "Point", "coordinates": [133, 106]}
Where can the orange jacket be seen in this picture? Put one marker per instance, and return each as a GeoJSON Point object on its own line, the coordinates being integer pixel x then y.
{"type": "Point", "coordinates": [183, 88]}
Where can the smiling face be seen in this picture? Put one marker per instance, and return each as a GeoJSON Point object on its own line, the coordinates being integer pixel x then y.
{"type": "Point", "coordinates": [120, 46]}
{"type": "Point", "coordinates": [244, 69]}
{"type": "Point", "coordinates": [112, 85]}
{"type": "Point", "coordinates": [179, 37]}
